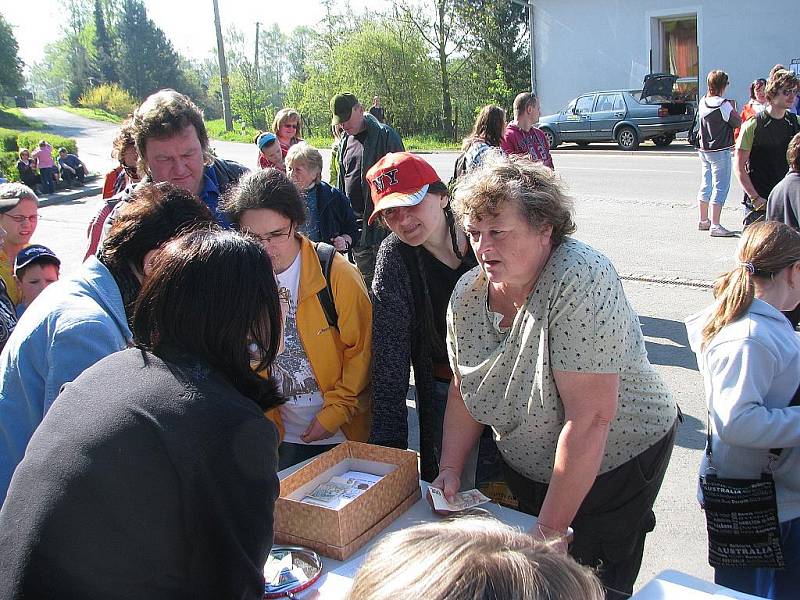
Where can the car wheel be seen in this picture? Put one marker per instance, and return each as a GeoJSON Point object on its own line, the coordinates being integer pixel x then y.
{"type": "Point", "coordinates": [663, 140]}
{"type": "Point", "coordinates": [582, 144]}
{"type": "Point", "coordinates": [627, 138]}
{"type": "Point", "coordinates": [550, 136]}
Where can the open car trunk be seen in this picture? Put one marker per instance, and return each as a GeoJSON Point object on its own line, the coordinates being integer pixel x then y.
{"type": "Point", "coordinates": [658, 89]}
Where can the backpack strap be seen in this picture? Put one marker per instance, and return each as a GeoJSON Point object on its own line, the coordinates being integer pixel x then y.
{"type": "Point", "coordinates": [325, 254]}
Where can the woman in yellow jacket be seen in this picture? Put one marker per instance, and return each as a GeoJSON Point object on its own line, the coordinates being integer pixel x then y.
{"type": "Point", "coordinates": [324, 369]}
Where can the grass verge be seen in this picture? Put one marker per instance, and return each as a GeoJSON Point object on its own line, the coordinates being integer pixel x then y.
{"type": "Point", "coordinates": [92, 113]}
{"type": "Point", "coordinates": [246, 134]}
{"type": "Point", "coordinates": [12, 118]}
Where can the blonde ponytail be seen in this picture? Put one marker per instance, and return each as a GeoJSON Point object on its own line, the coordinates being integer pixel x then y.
{"type": "Point", "coordinates": [765, 250]}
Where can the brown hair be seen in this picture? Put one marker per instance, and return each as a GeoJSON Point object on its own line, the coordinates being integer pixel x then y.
{"type": "Point", "coordinates": [531, 187]}
{"type": "Point", "coordinates": [764, 251]}
{"type": "Point", "coordinates": [780, 80]}
{"type": "Point", "coordinates": [717, 80]}
{"type": "Point", "coordinates": [264, 188]}
{"type": "Point", "coordinates": [470, 558]}
{"type": "Point", "coordinates": [123, 140]}
{"type": "Point", "coordinates": [284, 115]}
{"type": "Point", "coordinates": [775, 69]}
{"type": "Point", "coordinates": [522, 102]}
{"type": "Point", "coordinates": [793, 153]}
{"type": "Point", "coordinates": [163, 115]}
{"type": "Point", "coordinates": [490, 126]}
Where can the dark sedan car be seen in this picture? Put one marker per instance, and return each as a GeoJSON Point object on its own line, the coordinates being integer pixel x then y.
{"type": "Point", "coordinates": [626, 116]}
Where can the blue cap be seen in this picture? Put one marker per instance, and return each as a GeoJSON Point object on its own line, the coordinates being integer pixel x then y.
{"type": "Point", "coordinates": [265, 138]}
{"type": "Point", "coordinates": [33, 253]}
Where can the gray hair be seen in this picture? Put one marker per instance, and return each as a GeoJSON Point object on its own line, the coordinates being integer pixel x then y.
{"type": "Point", "coordinates": [306, 154]}
{"type": "Point", "coordinates": [531, 187]}
{"type": "Point", "coordinates": [12, 191]}
{"type": "Point", "coordinates": [470, 558]}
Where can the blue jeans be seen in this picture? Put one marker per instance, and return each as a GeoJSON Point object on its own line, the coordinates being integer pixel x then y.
{"type": "Point", "coordinates": [769, 583]}
{"type": "Point", "coordinates": [716, 176]}
{"type": "Point", "coordinates": [48, 185]}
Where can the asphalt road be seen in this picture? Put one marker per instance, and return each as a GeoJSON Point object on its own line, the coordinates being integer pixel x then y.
{"type": "Point", "coordinates": [636, 207]}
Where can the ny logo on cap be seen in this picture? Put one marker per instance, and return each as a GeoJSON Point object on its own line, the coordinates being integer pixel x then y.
{"type": "Point", "coordinates": [386, 179]}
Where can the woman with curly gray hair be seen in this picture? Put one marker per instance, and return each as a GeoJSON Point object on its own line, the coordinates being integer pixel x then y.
{"type": "Point", "coordinates": [546, 350]}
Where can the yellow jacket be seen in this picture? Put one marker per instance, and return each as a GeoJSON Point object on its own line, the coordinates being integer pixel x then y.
{"type": "Point", "coordinates": [339, 359]}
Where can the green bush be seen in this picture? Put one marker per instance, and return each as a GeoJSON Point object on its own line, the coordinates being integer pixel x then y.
{"type": "Point", "coordinates": [110, 98]}
{"type": "Point", "coordinates": [8, 140]}
{"type": "Point", "coordinates": [8, 165]}
{"type": "Point", "coordinates": [30, 140]}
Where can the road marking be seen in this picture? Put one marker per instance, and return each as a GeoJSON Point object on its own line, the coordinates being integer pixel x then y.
{"type": "Point", "coordinates": [565, 168]}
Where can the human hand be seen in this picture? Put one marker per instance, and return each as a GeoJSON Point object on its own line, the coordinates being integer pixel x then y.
{"type": "Point", "coordinates": [449, 481]}
{"type": "Point", "coordinates": [341, 242]}
{"type": "Point", "coordinates": [315, 432]}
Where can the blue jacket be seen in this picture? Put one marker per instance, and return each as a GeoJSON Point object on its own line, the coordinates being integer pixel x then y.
{"type": "Point", "coordinates": [336, 215]}
{"type": "Point", "coordinates": [73, 323]}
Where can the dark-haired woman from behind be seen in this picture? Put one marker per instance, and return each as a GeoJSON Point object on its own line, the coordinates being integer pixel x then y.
{"type": "Point", "coordinates": [154, 474]}
{"type": "Point", "coordinates": [486, 136]}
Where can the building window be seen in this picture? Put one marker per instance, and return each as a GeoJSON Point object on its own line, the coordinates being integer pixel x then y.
{"type": "Point", "coordinates": [679, 54]}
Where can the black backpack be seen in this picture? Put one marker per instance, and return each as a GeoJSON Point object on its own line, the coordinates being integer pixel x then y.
{"type": "Point", "coordinates": [325, 253]}
{"type": "Point", "coordinates": [458, 171]}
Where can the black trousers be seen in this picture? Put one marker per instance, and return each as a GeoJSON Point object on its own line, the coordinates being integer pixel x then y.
{"type": "Point", "coordinates": [615, 516]}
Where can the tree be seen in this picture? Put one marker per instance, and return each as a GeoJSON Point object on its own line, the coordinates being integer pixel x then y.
{"type": "Point", "coordinates": [104, 47]}
{"type": "Point", "coordinates": [300, 41]}
{"type": "Point", "coordinates": [10, 62]}
{"type": "Point", "coordinates": [147, 60]}
{"type": "Point", "coordinates": [438, 25]}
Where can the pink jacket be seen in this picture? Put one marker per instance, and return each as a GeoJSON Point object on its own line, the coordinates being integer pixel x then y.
{"type": "Point", "coordinates": [44, 156]}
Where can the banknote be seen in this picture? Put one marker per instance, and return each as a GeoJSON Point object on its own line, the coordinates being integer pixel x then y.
{"type": "Point", "coordinates": [461, 501]}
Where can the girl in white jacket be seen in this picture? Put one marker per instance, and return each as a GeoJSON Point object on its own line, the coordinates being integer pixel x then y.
{"type": "Point", "coordinates": [750, 359]}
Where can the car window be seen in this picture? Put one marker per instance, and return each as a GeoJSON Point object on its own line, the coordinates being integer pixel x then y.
{"type": "Point", "coordinates": [584, 104]}
{"type": "Point", "coordinates": [604, 102]}
{"type": "Point", "coordinates": [570, 106]}
{"type": "Point", "coordinates": [619, 102]}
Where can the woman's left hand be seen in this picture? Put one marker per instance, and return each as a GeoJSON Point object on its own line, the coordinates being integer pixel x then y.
{"type": "Point", "coordinates": [315, 432]}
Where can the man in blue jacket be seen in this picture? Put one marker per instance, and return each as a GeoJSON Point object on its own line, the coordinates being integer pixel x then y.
{"type": "Point", "coordinates": [77, 321]}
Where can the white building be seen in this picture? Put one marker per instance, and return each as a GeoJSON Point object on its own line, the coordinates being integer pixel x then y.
{"type": "Point", "coordinates": [585, 45]}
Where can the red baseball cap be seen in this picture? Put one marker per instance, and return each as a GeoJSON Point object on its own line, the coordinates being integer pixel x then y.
{"type": "Point", "coordinates": [399, 179]}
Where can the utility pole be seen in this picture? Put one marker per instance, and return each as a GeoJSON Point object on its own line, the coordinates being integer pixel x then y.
{"type": "Point", "coordinates": [529, 5]}
{"type": "Point", "coordinates": [255, 61]}
{"type": "Point", "coordinates": [223, 72]}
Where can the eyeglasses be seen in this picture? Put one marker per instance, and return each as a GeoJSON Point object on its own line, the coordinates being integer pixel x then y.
{"type": "Point", "coordinates": [279, 236]}
{"type": "Point", "coordinates": [22, 218]}
{"type": "Point", "coordinates": [290, 125]}
{"type": "Point", "coordinates": [789, 92]}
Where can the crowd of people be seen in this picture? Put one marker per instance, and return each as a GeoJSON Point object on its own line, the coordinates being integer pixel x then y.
{"type": "Point", "coordinates": [40, 170]}
{"type": "Point", "coordinates": [227, 324]}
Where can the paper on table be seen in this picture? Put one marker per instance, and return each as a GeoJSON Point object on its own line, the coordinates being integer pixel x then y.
{"type": "Point", "coordinates": [461, 501]}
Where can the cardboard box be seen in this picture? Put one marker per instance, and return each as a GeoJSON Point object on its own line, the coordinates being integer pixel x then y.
{"type": "Point", "coordinates": [339, 533]}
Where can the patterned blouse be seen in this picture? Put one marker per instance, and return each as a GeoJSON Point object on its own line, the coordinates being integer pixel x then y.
{"type": "Point", "coordinates": [577, 319]}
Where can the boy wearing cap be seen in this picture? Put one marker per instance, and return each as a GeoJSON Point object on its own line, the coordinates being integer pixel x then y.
{"type": "Point", "coordinates": [365, 140]}
{"type": "Point", "coordinates": [269, 152]}
{"type": "Point", "coordinates": [35, 268]}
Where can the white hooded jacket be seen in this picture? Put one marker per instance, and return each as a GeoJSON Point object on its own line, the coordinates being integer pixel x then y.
{"type": "Point", "coordinates": [751, 370]}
